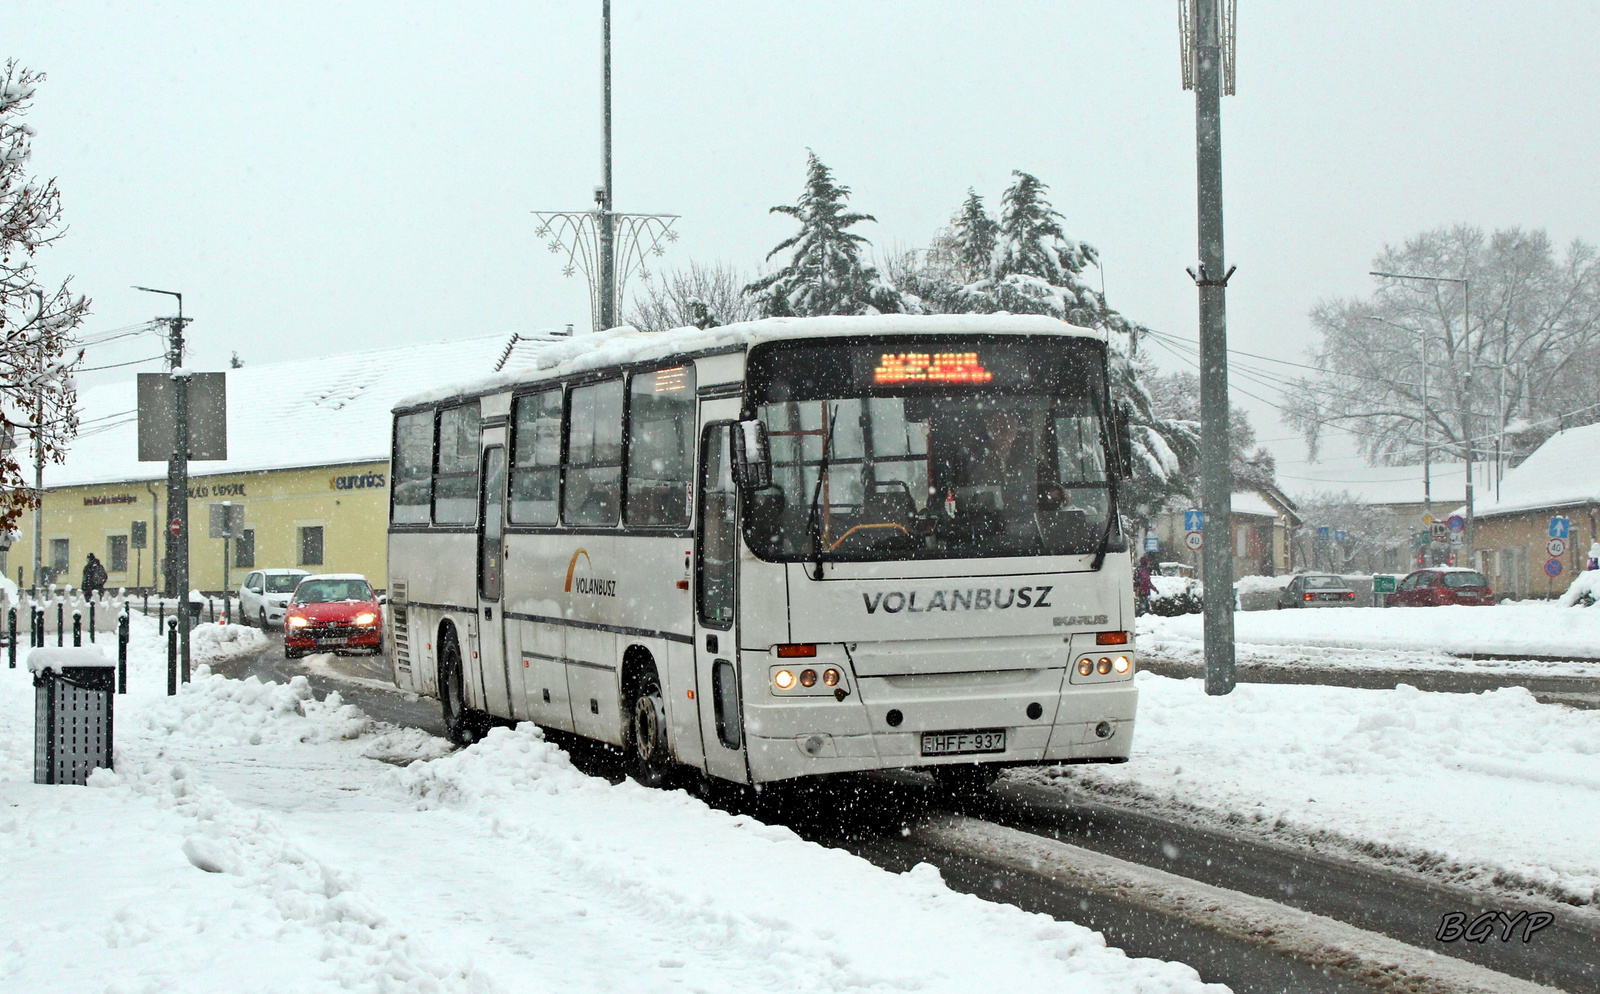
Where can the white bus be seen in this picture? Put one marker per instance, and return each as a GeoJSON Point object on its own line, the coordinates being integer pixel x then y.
{"type": "Point", "coordinates": [777, 549]}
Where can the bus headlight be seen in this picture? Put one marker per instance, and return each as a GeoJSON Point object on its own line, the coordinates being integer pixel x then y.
{"type": "Point", "coordinates": [830, 677]}
{"type": "Point", "coordinates": [1085, 666]}
{"type": "Point", "coordinates": [808, 678]}
{"type": "Point", "coordinates": [783, 679]}
{"type": "Point", "coordinates": [1122, 664]}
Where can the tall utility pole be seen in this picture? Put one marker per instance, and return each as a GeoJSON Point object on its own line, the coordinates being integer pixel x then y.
{"type": "Point", "coordinates": [1469, 442]}
{"type": "Point", "coordinates": [1208, 58]}
{"type": "Point", "coordinates": [608, 257]}
{"type": "Point", "coordinates": [608, 247]}
{"type": "Point", "coordinates": [177, 578]}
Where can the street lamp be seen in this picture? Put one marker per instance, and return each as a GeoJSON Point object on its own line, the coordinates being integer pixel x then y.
{"type": "Point", "coordinates": [1466, 340]}
{"type": "Point", "coordinates": [178, 481]}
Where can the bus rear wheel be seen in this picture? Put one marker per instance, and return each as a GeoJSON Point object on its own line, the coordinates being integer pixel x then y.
{"type": "Point", "coordinates": [648, 758]}
{"type": "Point", "coordinates": [462, 724]}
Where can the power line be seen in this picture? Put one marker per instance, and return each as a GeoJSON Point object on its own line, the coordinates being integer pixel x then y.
{"type": "Point", "coordinates": [119, 365]}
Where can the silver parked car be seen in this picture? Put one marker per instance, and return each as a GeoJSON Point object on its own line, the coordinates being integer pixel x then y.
{"type": "Point", "coordinates": [1316, 590]}
{"type": "Point", "coordinates": [265, 593]}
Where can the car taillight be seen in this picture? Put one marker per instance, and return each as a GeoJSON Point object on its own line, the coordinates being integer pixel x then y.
{"type": "Point", "coordinates": [1349, 595]}
{"type": "Point", "coordinates": [1308, 596]}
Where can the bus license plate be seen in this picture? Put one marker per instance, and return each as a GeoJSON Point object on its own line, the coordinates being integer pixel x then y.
{"type": "Point", "coordinates": [337, 640]}
{"type": "Point", "coordinates": [952, 743]}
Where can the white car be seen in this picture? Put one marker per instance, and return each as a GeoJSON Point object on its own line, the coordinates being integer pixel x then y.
{"type": "Point", "coordinates": [265, 594]}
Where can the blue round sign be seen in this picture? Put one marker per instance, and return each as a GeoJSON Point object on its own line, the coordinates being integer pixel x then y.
{"type": "Point", "coordinates": [1553, 567]}
{"type": "Point", "coordinates": [1457, 523]}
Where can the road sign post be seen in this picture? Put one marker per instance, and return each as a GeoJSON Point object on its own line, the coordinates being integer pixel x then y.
{"type": "Point", "coordinates": [227, 522]}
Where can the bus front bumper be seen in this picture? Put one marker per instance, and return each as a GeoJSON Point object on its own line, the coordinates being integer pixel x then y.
{"type": "Point", "coordinates": [796, 737]}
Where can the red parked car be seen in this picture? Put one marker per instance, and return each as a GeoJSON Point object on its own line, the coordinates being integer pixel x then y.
{"type": "Point", "coordinates": [1441, 585]}
{"type": "Point", "coordinates": [333, 612]}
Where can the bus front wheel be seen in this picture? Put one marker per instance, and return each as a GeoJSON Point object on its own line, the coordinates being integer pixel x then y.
{"type": "Point", "coordinates": [648, 756]}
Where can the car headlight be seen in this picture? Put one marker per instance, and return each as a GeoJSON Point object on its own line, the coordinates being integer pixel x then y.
{"type": "Point", "coordinates": [297, 622]}
{"type": "Point", "coordinates": [366, 618]}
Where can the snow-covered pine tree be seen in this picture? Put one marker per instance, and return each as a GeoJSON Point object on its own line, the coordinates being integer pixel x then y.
{"type": "Point", "coordinates": [973, 234]}
{"type": "Point", "coordinates": [1035, 268]}
{"type": "Point", "coordinates": [825, 274]}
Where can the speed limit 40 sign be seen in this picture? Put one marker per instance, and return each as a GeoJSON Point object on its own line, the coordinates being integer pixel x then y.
{"type": "Point", "coordinates": [1193, 541]}
{"type": "Point", "coordinates": [1556, 547]}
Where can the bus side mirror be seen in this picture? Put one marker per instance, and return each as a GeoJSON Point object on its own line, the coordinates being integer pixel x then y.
{"type": "Point", "coordinates": [1124, 445]}
{"type": "Point", "coordinates": [751, 455]}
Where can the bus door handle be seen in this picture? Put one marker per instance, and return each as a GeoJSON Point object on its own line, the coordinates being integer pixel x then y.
{"type": "Point", "coordinates": [711, 643]}
{"type": "Point", "coordinates": [488, 613]}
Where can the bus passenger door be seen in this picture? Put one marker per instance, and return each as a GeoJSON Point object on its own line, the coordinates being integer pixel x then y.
{"type": "Point", "coordinates": [493, 674]}
{"type": "Point", "coordinates": [716, 641]}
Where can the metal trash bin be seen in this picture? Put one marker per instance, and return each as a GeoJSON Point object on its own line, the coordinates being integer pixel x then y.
{"type": "Point", "coordinates": [73, 694]}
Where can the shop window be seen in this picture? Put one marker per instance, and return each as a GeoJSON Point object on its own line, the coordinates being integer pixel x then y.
{"type": "Point", "coordinates": [244, 550]}
{"type": "Point", "coordinates": [60, 557]}
{"type": "Point", "coordinates": [661, 408]}
{"type": "Point", "coordinates": [311, 545]}
{"type": "Point", "coordinates": [536, 461]}
{"type": "Point", "coordinates": [594, 455]}
{"type": "Point", "coordinates": [412, 467]}
{"type": "Point", "coordinates": [116, 553]}
{"type": "Point", "coordinates": [455, 473]}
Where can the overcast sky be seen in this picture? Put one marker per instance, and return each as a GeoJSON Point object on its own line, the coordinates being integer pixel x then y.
{"type": "Point", "coordinates": [318, 177]}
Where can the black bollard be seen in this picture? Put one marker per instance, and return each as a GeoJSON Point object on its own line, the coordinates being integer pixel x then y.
{"type": "Point", "coordinates": [91, 619]}
{"type": "Point", "coordinates": [172, 656]}
{"type": "Point", "coordinates": [11, 635]}
{"type": "Point", "coordinates": [147, 603]}
{"type": "Point", "coordinates": [161, 614]}
{"type": "Point", "coordinates": [77, 628]}
{"type": "Point", "coordinates": [61, 623]}
{"type": "Point", "coordinates": [122, 653]}
{"type": "Point", "coordinates": [211, 611]}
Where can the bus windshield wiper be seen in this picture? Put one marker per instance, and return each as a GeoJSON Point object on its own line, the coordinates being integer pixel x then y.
{"type": "Point", "coordinates": [814, 518]}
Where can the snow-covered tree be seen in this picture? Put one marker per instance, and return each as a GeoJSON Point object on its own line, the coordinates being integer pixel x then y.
{"type": "Point", "coordinates": [37, 322]}
{"type": "Point", "coordinates": [973, 235]}
{"type": "Point", "coordinates": [1177, 398]}
{"type": "Point", "coordinates": [704, 295]}
{"type": "Point", "coordinates": [1530, 358]}
{"type": "Point", "coordinates": [825, 273]}
{"type": "Point", "coordinates": [1035, 268]}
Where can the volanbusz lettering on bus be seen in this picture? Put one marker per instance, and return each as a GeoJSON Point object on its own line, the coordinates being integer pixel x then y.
{"type": "Point", "coordinates": [979, 599]}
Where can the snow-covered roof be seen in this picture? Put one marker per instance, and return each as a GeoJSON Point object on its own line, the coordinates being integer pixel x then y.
{"type": "Point", "coordinates": [1250, 502]}
{"type": "Point", "coordinates": [318, 411]}
{"type": "Point", "coordinates": [626, 345]}
{"type": "Point", "coordinates": [1563, 472]}
{"type": "Point", "coordinates": [1375, 484]}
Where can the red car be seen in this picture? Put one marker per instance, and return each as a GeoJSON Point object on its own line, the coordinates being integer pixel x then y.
{"type": "Point", "coordinates": [1441, 585]}
{"type": "Point", "coordinates": [333, 612]}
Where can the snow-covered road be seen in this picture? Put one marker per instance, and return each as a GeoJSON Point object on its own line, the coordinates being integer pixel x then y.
{"type": "Point", "coordinates": [254, 838]}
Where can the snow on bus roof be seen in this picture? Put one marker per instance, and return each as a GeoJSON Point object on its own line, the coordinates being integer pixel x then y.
{"type": "Point", "coordinates": [618, 346]}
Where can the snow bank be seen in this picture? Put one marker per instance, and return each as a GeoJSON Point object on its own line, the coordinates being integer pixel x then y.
{"type": "Point", "coordinates": [1491, 790]}
{"type": "Point", "coordinates": [210, 643]}
{"type": "Point", "coordinates": [1526, 628]}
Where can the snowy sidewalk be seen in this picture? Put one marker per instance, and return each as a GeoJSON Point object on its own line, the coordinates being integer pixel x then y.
{"type": "Point", "coordinates": [255, 839]}
{"type": "Point", "coordinates": [1493, 790]}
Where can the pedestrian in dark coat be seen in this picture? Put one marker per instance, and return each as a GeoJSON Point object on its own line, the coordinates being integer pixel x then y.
{"type": "Point", "coordinates": [1142, 585]}
{"type": "Point", "coordinates": [94, 577]}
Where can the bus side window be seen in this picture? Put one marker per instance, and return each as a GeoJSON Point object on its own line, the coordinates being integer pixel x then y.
{"type": "Point", "coordinates": [413, 467]}
{"type": "Point", "coordinates": [455, 475]}
{"type": "Point", "coordinates": [536, 463]}
{"type": "Point", "coordinates": [714, 596]}
{"type": "Point", "coordinates": [594, 455]}
{"type": "Point", "coordinates": [661, 408]}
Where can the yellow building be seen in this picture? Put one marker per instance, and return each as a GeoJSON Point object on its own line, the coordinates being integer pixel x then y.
{"type": "Point", "coordinates": [308, 458]}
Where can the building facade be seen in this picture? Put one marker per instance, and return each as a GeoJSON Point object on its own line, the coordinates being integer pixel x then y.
{"type": "Point", "coordinates": [308, 459]}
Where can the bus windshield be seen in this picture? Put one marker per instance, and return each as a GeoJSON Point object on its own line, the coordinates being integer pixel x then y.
{"type": "Point", "coordinates": [966, 447]}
